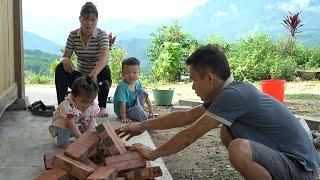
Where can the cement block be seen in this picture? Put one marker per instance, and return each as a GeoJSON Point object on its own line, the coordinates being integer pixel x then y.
{"type": "Point", "coordinates": [180, 108]}
{"type": "Point", "coordinates": [191, 103]}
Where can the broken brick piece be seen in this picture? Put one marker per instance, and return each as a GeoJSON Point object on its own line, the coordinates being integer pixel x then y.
{"type": "Point", "coordinates": [103, 173]}
{"type": "Point", "coordinates": [53, 174]}
{"type": "Point", "coordinates": [73, 167]}
{"type": "Point", "coordinates": [120, 178]}
{"type": "Point", "coordinates": [151, 172]}
{"type": "Point", "coordinates": [47, 159]}
{"type": "Point", "coordinates": [145, 173]}
{"type": "Point", "coordinates": [105, 130]}
{"type": "Point", "coordinates": [126, 162]}
{"type": "Point", "coordinates": [80, 149]}
{"type": "Point", "coordinates": [89, 163]}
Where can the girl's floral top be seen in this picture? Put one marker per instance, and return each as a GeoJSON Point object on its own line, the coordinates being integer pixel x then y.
{"type": "Point", "coordinates": [68, 111]}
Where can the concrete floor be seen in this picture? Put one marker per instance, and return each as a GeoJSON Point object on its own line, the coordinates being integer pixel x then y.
{"type": "Point", "coordinates": [25, 138]}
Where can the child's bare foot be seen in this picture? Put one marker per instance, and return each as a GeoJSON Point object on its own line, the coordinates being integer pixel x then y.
{"type": "Point", "coordinates": [103, 112]}
{"type": "Point", "coordinates": [153, 115]}
{"type": "Point", "coordinates": [126, 121]}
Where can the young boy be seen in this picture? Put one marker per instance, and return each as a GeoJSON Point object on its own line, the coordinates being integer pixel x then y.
{"type": "Point", "coordinates": [130, 97]}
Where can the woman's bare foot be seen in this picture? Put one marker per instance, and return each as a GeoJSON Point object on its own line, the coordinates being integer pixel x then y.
{"type": "Point", "coordinates": [103, 112]}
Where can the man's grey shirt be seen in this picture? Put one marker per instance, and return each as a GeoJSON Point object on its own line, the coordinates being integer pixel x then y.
{"type": "Point", "coordinates": [253, 115]}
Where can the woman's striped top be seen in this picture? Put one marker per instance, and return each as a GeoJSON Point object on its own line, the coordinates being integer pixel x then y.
{"type": "Point", "coordinates": [88, 55]}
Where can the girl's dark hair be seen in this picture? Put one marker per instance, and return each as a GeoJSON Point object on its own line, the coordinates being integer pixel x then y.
{"type": "Point", "coordinates": [85, 86]}
{"type": "Point", "coordinates": [88, 8]}
{"type": "Point", "coordinates": [210, 57]}
{"type": "Point", "coordinates": [130, 61]}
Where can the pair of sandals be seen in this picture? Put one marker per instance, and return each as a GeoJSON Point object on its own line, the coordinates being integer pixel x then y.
{"type": "Point", "coordinates": [40, 109]}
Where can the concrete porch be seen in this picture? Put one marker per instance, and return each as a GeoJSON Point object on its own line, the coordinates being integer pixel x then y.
{"type": "Point", "coordinates": [25, 138]}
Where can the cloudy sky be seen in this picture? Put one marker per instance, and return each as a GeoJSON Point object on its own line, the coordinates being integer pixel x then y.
{"type": "Point", "coordinates": [137, 10]}
{"type": "Point", "coordinates": [51, 18]}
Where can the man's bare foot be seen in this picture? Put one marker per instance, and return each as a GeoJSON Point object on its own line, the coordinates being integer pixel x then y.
{"type": "Point", "coordinates": [103, 112]}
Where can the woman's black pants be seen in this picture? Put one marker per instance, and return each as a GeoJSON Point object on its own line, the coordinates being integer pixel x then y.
{"type": "Point", "coordinates": [64, 79]}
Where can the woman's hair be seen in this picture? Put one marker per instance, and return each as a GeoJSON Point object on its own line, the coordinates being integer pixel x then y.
{"type": "Point", "coordinates": [131, 61]}
{"type": "Point", "coordinates": [88, 8]}
{"type": "Point", "coordinates": [210, 57]}
{"type": "Point", "coordinates": [85, 86]}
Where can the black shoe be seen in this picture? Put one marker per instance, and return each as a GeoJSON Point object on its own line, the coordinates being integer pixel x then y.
{"type": "Point", "coordinates": [42, 106]}
{"type": "Point", "coordinates": [39, 110]}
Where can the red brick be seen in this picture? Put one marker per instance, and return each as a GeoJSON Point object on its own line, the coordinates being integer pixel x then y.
{"type": "Point", "coordinates": [73, 167]}
{"type": "Point", "coordinates": [117, 141]}
{"type": "Point", "coordinates": [103, 173]}
{"type": "Point", "coordinates": [126, 162]}
{"type": "Point", "coordinates": [53, 174]}
{"type": "Point", "coordinates": [120, 178]}
{"type": "Point", "coordinates": [145, 173]}
{"type": "Point", "coordinates": [89, 163]}
{"type": "Point", "coordinates": [47, 159]}
{"type": "Point", "coordinates": [85, 144]}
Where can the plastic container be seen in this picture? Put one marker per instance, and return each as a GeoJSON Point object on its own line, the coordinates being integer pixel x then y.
{"type": "Point", "coordinates": [274, 88]}
{"type": "Point", "coordinates": [163, 97]}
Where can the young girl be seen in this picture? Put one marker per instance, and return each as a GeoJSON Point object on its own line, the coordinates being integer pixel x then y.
{"type": "Point", "coordinates": [77, 113]}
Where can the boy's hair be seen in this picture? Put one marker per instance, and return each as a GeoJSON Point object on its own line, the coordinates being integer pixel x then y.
{"type": "Point", "coordinates": [88, 8]}
{"type": "Point", "coordinates": [131, 61]}
{"type": "Point", "coordinates": [209, 57]}
{"type": "Point", "coordinates": [85, 86]}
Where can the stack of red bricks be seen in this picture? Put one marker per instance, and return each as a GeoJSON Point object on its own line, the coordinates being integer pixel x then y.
{"type": "Point", "coordinates": [98, 155]}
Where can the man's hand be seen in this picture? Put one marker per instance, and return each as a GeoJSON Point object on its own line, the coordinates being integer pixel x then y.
{"type": "Point", "coordinates": [67, 65]}
{"type": "Point", "coordinates": [130, 130]}
{"type": "Point", "coordinates": [145, 151]}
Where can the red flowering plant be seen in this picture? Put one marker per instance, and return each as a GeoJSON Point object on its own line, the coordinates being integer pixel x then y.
{"type": "Point", "coordinates": [293, 23]}
{"type": "Point", "coordinates": [111, 40]}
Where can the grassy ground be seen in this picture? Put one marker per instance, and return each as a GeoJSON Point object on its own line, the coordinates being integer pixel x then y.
{"type": "Point", "coordinates": [207, 157]}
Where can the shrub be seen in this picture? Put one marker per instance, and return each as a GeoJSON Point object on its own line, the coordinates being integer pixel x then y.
{"type": "Point", "coordinates": [314, 58]}
{"type": "Point", "coordinates": [283, 68]}
{"type": "Point", "coordinates": [115, 63]}
{"type": "Point", "coordinates": [38, 79]}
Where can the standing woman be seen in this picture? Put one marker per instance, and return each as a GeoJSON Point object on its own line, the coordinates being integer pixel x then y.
{"type": "Point", "coordinates": [91, 46]}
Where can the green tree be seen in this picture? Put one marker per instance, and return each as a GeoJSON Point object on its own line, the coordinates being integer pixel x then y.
{"type": "Point", "coordinates": [164, 47]}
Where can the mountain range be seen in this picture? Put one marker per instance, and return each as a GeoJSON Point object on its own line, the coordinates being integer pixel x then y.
{"type": "Point", "coordinates": [231, 20]}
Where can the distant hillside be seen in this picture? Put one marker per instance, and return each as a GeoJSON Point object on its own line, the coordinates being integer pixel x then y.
{"type": "Point", "coordinates": [35, 42]}
{"type": "Point", "coordinates": [137, 48]}
{"type": "Point", "coordinates": [235, 19]}
{"type": "Point", "coordinates": [36, 61]}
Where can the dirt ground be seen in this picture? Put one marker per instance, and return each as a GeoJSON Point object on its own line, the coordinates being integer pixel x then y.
{"type": "Point", "coordinates": [207, 157]}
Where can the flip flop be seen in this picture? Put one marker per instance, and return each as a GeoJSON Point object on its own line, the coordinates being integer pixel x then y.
{"type": "Point", "coordinates": [43, 106]}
